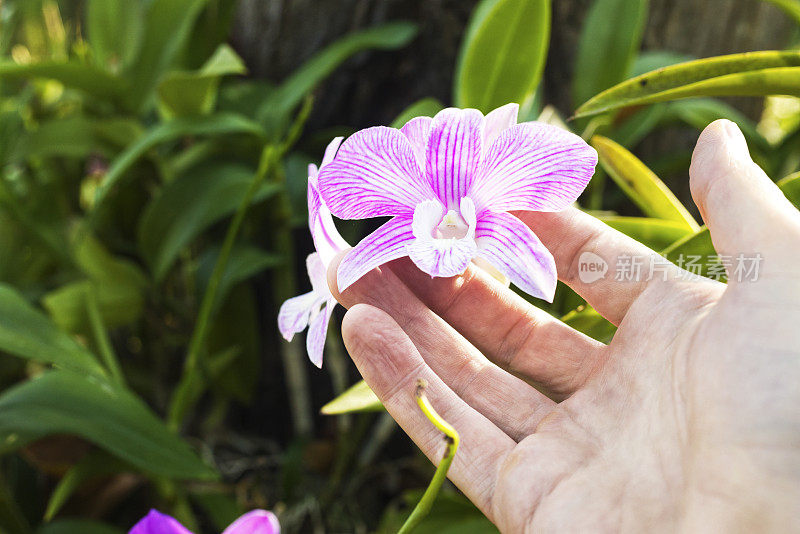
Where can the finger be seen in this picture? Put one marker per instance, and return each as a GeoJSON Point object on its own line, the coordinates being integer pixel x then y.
{"type": "Point", "coordinates": [391, 365]}
{"type": "Point", "coordinates": [518, 337]}
{"type": "Point", "coordinates": [745, 212]}
{"type": "Point", "coordinates": [510, 403]}
{"type": "Point", "coordinates": [577, 240]}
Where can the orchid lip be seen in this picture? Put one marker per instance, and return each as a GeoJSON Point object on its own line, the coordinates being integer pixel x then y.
{"type": "Point", "coordinates": [452, 226]}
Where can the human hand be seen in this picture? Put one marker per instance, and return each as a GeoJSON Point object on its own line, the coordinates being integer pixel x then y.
{"type": "Point", "coordinates": [688, 420]}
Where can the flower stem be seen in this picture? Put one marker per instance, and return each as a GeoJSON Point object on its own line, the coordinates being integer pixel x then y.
{"type": "Point", "coordinates": [424, 505]}
{"type": "Point", "coordinates": [101, 337]}
{"type": "Point", "coordinates": [186, 392]}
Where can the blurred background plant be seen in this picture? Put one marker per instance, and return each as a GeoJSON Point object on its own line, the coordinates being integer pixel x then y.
{"type": "Point", "coordinates": [152, 220]}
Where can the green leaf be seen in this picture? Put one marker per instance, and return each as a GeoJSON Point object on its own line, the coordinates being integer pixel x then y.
{"type": "Point", "coordinates": [74, 526]}
{"type": "Point", "coordinates": [313, 71]}
{"type": "Point", "coordinates": [452, 513]}
{"type": "Point", "coordinates": [27, 333]}
{"type": "Point", "coordinates": [168, 24]}
{"type": "Point", "coordinates": [503, 53]}
{"type": "Point", "coordinates": [87, 78]}
{"type": "Point", "coordinates": [610, 39]}
{"type": "Point", "coordinates": [187, 206]}
{"type": "Point", "coordinates": [114, 29]}
{"type": "Point", "coordinates": [218, 124]}
{"type": "Point", "coordinates": [640, 183]}
{"type": "Point", "coordinates": [93, 465]}
{"type": "Point", "coordinates": [700, 112]}
{"type": "Point", "coordinates": [425, 107]}
{"type": "Point", "coordinates": [790, 186]}
{"type": "Point", "coordinates": [62, 402]}
{"type": "Point", "coordinates": [358, 398]}
{"type": "Point", "coordinates": [790, 7]}
{"type": "Point", "coordinates": [748, 74]}
{"type": "Point", "coordinates": [656, 59]}
{"type": "Point", "coordinates": [654, 233]}
{"type": "Point", "coordinates": [698, 245]}
{"type": "Point", "coordinates": [185, 94]}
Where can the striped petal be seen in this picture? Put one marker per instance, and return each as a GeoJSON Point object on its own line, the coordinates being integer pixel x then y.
{"type": "Point", "coordinates": [330, 152]}
{"type": "Point", "coordinates": [418, 130]}
{"type": "Point", "coordinates": [442, 257]}
{"type": "Point", "coordinates": [318, 331]}
{"type": "Point", "coordinates": [535, 167]}
{"type": "Point", "coordinates": [510, 246]}
{"type": "Point", "coordinates": [374, 174]}
{"type": "Point", "coordinates": [454, 153]}
{"type": "Point", "coordinates": [255, 522]}
{"type": "Point", "coordinates": [497, 121]}
{"type": "Point", "coordinates": [157, 523]}
{"type": "Point", "coordinates": [385, 244]}
{"type": "Point", "coordinates": [294, 313]}
{"type": "Point", "coordinates": [327, 240]}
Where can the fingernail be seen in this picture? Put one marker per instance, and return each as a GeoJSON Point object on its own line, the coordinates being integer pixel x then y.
{"type": "Point", "coordinates": [735, 141]}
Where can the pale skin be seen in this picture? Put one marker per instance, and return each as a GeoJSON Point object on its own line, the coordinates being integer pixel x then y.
{"type": "Point", "coordinates": [688, 421]}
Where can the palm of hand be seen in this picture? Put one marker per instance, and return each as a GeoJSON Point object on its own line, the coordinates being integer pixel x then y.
{"type": "Point", "coordinates": [686, 421]}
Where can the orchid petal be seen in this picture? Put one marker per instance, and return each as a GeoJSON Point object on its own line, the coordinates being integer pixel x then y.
{"type": "Point", "coordinates": [330, 150]}
{"type": "Point", "coordinates": [385, 244]}
{"type": "Point", "coordinates": [295, 312]}
{"type": "Point", "coordinates": [454, 153]}
{"type": "Point", "coordinates": [534, 167]}
{"type": "Point", "coordinates": [255, 522]}
{"type": "Point", "coordinates": [497, 121]}
{"type": "Point", "coordinates": [318, 274]}
{"type": "Point", "coordinates": [418, 130]}
{"type": "Point", "coordinates": [157, 523]}
{"type": "Point", "coordinates": [327, 240]}
{"type": "Point", "coordinates": [374, 174]}
{"type": "Point", "coordinates": [510, 246]}
{"type": "Point", "coordinates": [318, 331]}
{"type": "Point", "coordinates": [442, 257]}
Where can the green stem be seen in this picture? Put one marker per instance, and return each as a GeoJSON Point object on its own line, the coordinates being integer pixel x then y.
{"type": "Point", "coordinates": [424, 505]}
{"type": "Point", "coordinates": [186, 391]}
{"type": "Point", "coordinates": [101, 337]}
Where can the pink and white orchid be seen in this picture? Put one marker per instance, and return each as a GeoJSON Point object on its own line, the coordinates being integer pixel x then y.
{"type": "Point", "coordinates": [255, 522]}
{"type": "Point", "coordinates": [313, 309]}
{"type": "Point", "coordinates": [449, 183]}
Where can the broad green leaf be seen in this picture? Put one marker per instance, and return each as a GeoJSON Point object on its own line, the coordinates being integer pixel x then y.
{"type": "Point", "coordinates": [586, 320]}
{"type": "Point", "coordinates": [75, 526]}
{"type": "Point", "coordinates": [188, 205]}
{"type": "Point", "coordinates": [503, 53]}
{"type": "Point", "coordinates": [610, 39]}
{"type": "Point", "coordinates": [654, 233]}
{"type": "Point", "coordinates": [114, 30]}
{"type": "Point", "coordinates": [425, 107]}
{"type": "Point", "coordinates": [27, 333]}
{"type": "Point", "coordinates": [87, 78]}
{"type": "Point", "coordinates": [167, 27]}
{"type": "Point", "coordinates": [313, 71]}
{"type": "Point", "coordinates": [637, 126]}
{"type": "Point", "coordinates": [640, 183]}
{"type": "Point", "coordinates": [184, 94]}
{"type": "Point", "coordinates": [62, 402]}
{"type": "Point", "coordinates": [700, 112]}
{"type": "Point", "coordinates": [790, 7]}
{"type": "Point", "coordinates": [748, 74]}
{"type": "Point", "coordinates": [358, 398]}
{"type": "Point", "coordinates": [117, 283]}
{"type": "Point", "coordinates": [93, 465]}
{"type": "Point", "coordinates": [655, 59]}
{"type": "Point", "coordinates": [218, 124]}
{"type": "Point", "coordinates": [697, 245]}
{"type": "Point", "coordinates": [790, 186]}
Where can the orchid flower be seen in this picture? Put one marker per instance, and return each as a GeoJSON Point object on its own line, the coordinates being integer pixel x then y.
{"type": "Point", "coordinates": [449, 183]}
{"type": "Point", "coordinates": [313, 309]}
{"type": "Point", "coordinates": [255, 522]}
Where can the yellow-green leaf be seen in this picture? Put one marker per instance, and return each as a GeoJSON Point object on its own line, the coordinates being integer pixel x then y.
{"type": "Point", "coordinates": [503, 53]}
{"type": "Point", "coordinates": [641, 184]}
{"type": "Point", "coordinates": [749, 74]}
{"type": "Point", "coordinates": [358, 398]}
{"type": "Point", "coordinates": [654, 233]}
{"type": "Point", "coordinates": [790, 186]}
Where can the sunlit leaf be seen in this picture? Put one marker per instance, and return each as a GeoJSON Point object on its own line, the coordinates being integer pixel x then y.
{"type": "Point", "coordinates": [640, 183]}
{"type": "Point", "coordinates": [655, 59]}
{"type": "Point", "coordinates": [114, 30]}
{"type": "Point", "coordinates": [790, 7]}
{"type": "Point", "coordinates": [358, 398]}
{"type": "Point", "coordinates": [27, 333]}
{"type": "Point", "coordinates": [655, 233]}
{"type": "Point", "coordinates": [184, 94]}
{"type": "Point", "coordinates": [790, 186]}
{"type": "Point", "coordinates": [218, 124]}
{"type": "Point", "coordinates": [62, 402]}
{"type": "Point", "coordinates": [611, 36]}
{"type": "Point", "coordinates": [425, 107]}
{"type": "Point", "coordinates": [188, 205]}
{"type": "Point", "coordinates": [503, 53]}
{"type": "Point", "coordinates": [748, 74]}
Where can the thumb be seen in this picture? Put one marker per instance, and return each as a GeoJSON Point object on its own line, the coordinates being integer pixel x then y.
{"type": "Point", "coordinates": [744, 210]}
